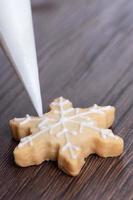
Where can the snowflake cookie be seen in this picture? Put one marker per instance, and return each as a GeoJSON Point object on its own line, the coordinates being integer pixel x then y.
{"type": "Point", "coordinates": [66, 134]}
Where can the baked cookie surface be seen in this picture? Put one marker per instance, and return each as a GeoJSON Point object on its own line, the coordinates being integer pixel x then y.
{"type": "Point", "coordinates": [66, 134]}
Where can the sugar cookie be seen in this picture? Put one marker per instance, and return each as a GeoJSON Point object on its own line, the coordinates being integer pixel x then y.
{"type": "Point", "coordinates": [66, 134]}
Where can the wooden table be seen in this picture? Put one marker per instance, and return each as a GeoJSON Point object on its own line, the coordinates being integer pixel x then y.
{"type": "Point", "coordinates": [85, 53]}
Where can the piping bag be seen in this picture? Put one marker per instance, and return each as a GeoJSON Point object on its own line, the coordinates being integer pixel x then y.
{"type": "Point", "coordinates": [17, 39]}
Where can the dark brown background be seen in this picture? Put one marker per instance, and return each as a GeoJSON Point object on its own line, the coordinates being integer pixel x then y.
{"type": "Point", "coordinates": [85, 53]}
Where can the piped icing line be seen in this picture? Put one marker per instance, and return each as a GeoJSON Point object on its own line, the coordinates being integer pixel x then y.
{"type": "Point", "coordinates": [44, 122]}
{"type": "Point", "coordinates": [68, 145]}
{"type": "Point", "coordinates": [68, 111]}
{"type": "Point", "coordinates": [44, 126]}
{"type": "Point", "coordinates": [29, 139]}
{"type": "Point", "coordinates": [23, 120]}
{"type": "Point", "coordinates": [57, 103]}
{"type": "Point", "coordinates": [71, 148]}
{"type": "Point", "coordinates": [90, 111]}
{"type": "Point", "coordinates": [64, 111]}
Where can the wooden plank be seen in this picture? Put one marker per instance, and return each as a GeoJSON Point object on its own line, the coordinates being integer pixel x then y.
{"type": "Point", "coordinates": [85, 54]}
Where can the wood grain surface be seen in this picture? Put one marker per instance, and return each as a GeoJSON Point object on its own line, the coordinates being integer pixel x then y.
{"type": "Point", "coordinates": [85, 53]}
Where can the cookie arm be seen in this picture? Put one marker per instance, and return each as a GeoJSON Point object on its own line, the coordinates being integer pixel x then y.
{"type": "Point", "coordinates": [70, 166]}
{"type": "Point", "coordinates": [108, 147]}
{"type": "Point", "coordinates": [34, 152]}
{"type": "Point", "coordinates": [90, 144]}
{"type": "Point", "coordinates": [22, 128]}
{"type": "Point", "coordinates": [19, 131]}
{"type": "Point", "coordinates": [111, 145]}
{"type": "Point", "coordinates": [103, 116]}
{"type": "Point", "coordinates": [29, 155]}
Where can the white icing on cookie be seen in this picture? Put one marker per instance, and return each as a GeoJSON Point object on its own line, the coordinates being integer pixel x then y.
{"type": "Point", "coordinates": [25, 139]}
{"type": "Point", "coordinates": [71, 148]}
{"type": "Point", "coordinates": [106, 133]}
{"type": "Point", "coordinates": [57, 103]}
{"type": "Point", "coordinates": [79, 117]}
{"type": "Point", "coordinates": [23, 120]}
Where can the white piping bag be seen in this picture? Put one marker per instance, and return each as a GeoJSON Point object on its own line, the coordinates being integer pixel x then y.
{"type": "Point", "coordinates": [17, 38]}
